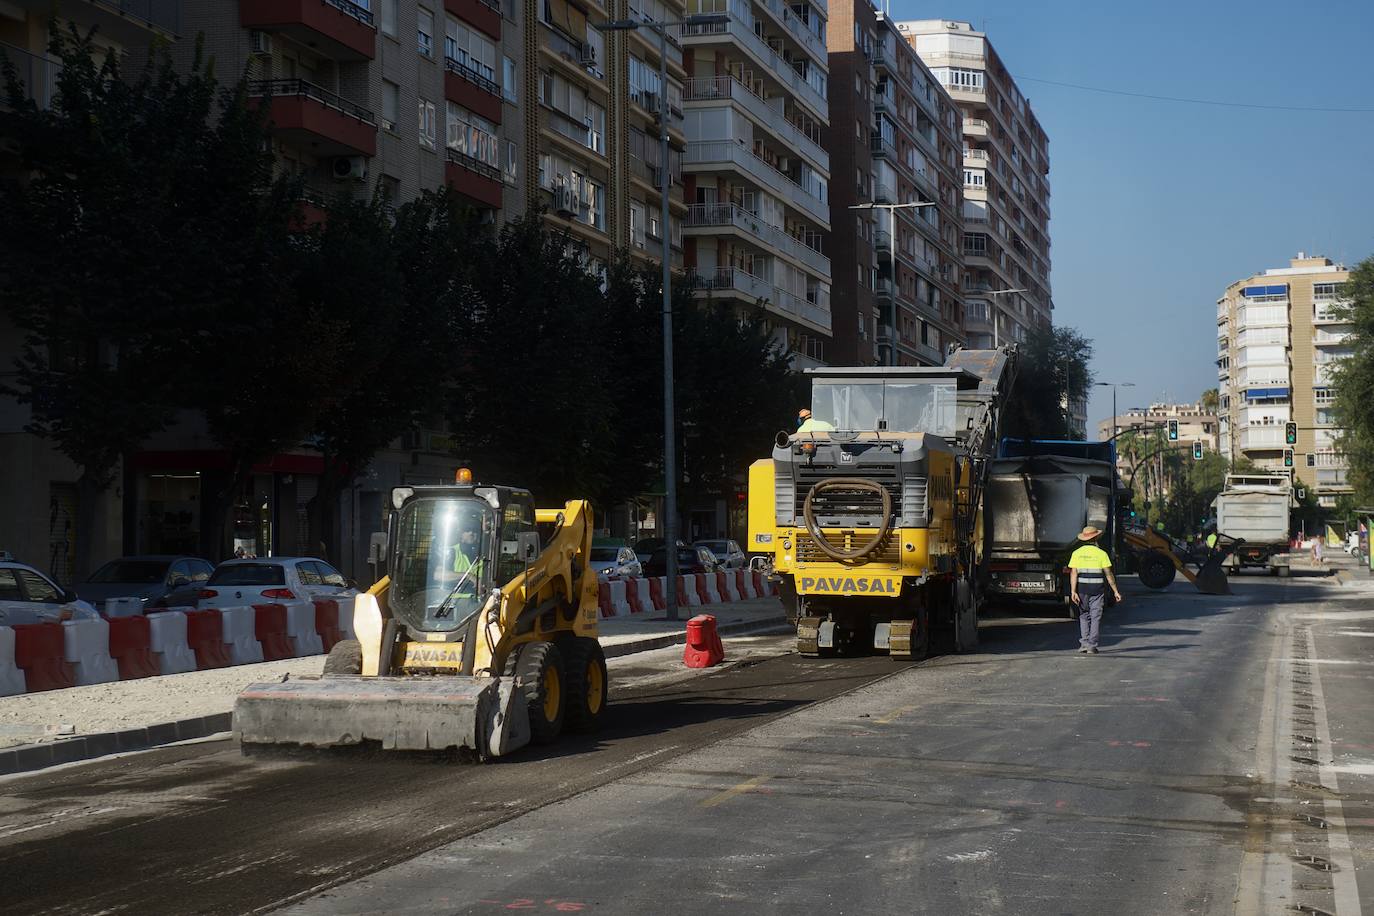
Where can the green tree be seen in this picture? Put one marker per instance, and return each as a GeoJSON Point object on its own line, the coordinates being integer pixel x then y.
{"type": "Point", "coordinates": [1354, 382]}
{"type": "Point", "coordinates": [1054, 370]}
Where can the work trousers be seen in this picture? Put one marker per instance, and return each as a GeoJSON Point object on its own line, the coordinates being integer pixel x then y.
{"type": "Point", "coordinates": [1090, 607]}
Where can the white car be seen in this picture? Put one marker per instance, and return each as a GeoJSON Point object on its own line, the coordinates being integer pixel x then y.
{"type": "Point", "coordinates": [272, 579]}
{"type": "Point", "coordinates": [615, 563]}
{"type": "Point", "coordinates": [28, 596]}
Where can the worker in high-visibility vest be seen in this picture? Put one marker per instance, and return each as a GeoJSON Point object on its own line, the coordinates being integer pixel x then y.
{"type": "Point", "coordinates": [1090, 574]}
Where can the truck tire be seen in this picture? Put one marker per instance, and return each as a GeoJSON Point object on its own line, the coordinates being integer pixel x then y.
{"type": "Point", "coordinates": [1156, 571]}
{"type": "Point", "coordinates": [345, 659]}
{"type": "Point", "coordinates": [588, 684]}
{"type": "Point", "coordinates": [541, 677]}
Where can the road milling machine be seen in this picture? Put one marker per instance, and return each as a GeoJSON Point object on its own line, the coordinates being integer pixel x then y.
{"type": "Point", "coordinates": [481, 638]}
{"type": "Point", "coordinates": [872, 511]}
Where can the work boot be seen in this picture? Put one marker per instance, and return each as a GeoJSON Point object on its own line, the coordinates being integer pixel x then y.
{"type": "Point", "coordinates": [1093, 650]}
{"type": "Point", "coordinates": [1082, 650]}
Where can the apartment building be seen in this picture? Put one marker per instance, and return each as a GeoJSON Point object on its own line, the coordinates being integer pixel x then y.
{"type": "Point", "coordinates": [1195, 424]}
{"type": "Point", "coordinates": [757, 175]}
{"type": "Point", "coordinates": [897, 133]}
{"type": "Point", "coordinates": [1006, 194]}
{"type": "Point", "coordinates": [1278, 336]}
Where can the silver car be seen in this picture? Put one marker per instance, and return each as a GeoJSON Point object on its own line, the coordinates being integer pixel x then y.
{"type": "Point", "coordinates": [148, 578]}
{"type": "Point", "coordinates": [615, 562]}
{"type": "Point", "coordinates": [28, 596]}
{"type": "Point", "coordinates": [727, 553]}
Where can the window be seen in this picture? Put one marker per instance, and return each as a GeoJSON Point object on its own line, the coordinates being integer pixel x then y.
{"type": "Point", "coordinates": [331, 576]}
{"type": "Point", "coordinates": [427, 124]}
{"type": "Point", "coordinates": [512, 162]}
{"type": "Point", "coordinates": [508, 86]}
{"type": "Point", "coordinates": [388, 17]}
{"type": "Point", "coordinates": [38, 588]}
{"type": "Point", "coordinates": [426, 32]}
{"type": "Point", "coordinates": [975, 178]}
{"type": "Point", "coordinates": [959, 78]}
{"type": "Point", "coordinates": [309, 573]}
{"type": "Point", "coordinates": [473, 136]}
{"type": "Point", "coordinates": [9, 586]}
{"type": "Point", "coordinates": [472, 51]}
{"type": "Point", "coordinates": [391, 105]}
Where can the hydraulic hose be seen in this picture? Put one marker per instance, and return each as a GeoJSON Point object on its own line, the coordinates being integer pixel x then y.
{"type": "Point", "coordinates": [851, 483]}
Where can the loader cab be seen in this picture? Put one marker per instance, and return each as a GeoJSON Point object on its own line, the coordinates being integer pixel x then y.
{"type": "Point", "coordinates": [450, 546]}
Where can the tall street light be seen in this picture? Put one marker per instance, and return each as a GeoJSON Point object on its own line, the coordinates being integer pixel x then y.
{"type": "Point", "coordinates": [1112, 438]}
{"type": "Point", "coordinates": [892, 230]}
{"type": "Point", "coordinates": [993, 294]}
{"type": "Point", "coordinates": [665, 230]}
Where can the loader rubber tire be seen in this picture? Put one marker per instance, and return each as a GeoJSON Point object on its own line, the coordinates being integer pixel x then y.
{"type": "Point", "coordinates": [588, 685]}
{"type": "Point", "coordinates": [1156, 571]}
{"type": "Point", "coordinates": [345, 659]}
{"type": "Point", "coordinates": [543, 679]}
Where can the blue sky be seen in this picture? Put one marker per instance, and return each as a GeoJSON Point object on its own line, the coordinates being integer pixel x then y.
{"type": "Point", "coordinates": [1157, 206]}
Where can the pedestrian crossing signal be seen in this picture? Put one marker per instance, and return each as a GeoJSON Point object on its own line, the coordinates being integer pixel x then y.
{"type": "Point", "coordinates": [1288, 457]}
{"type": "Point", "coordinates": [1290, 433]}
{"type": "Point", "coordinates": [1197, 451]}
{"type": "Point", "coordinates": [1173, 430]}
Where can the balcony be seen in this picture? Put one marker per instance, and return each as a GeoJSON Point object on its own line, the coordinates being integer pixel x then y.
{"type": "Point", "coordinates": [306, 114]}
{"type": "Point", "coordinates": [472, 85]}
{"type": "Point", "coordinates": [36, 73]}
{"type": "Point", "coordinates": [718, 216]}
{"type": "Point", "coordinates": [725, 155]}
{"type": "Point", "coordinates": [975, 127]}
{"type": "Point", "coordinates": [485, 15]}
{"type": "Point", "coordinates": [1261, 437]}
{"type": "Point", "coordinates": [741, 33]}
{"type": "Point", "coordinates": [881, 147]}
{"type": "Point", "coordinates": [479, 181]}
{"type": "Point", "coordinates": [783, 15]}
{"type": "Point", "coordinates": [746, 286]}
{"type": "Point", "coordinates": [338, 29]}
{"type": "Point", "coordinates": [722, 88]}
{"type": "Point", "coordinates": [1331, 312]}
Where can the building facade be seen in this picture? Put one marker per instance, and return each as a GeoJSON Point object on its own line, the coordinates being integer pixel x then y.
{"type": "Point", "coordinates": [1279, 333]}
{"type": "Point", "coordinates": [1006, 192]}
{"type": "Point", "coordinates": [896, 132]}
{"type": "Point", "coordinates": [1196, 424]}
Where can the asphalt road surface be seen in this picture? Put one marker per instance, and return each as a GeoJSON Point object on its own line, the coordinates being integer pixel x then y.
{"type": "Point", "coordinates": [1215, 758]}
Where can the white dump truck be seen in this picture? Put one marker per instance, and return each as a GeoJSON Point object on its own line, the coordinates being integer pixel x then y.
{"type": "Point", "coordinates": [1255, 509]}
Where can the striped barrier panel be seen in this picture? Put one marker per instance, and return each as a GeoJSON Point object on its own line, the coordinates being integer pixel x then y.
{"type": "Point", "coordinates": [86, 647]}
{"type": "Point", "coordinates": [744, 581]}
{"type": "Point", "coordinates": [658, 592]}
{"type": "Point", "coordinates": [11, 675]}
{"type": "Point", "coordinates": [687, 594]}
{"type": "Point", "coordinates": [40, 653]}
{"type": "Point", "coordinates": [239, 629]}
{"type": "Point", "coordinates": [300, 629]}
{"type": "Point", "coordinates": [620, 602]}
{"type": "Point", "coordinates": [603, 599]}
{"type": "Point", "coordinates": [725, 585]}
{"type": "Point", "coordinates": [706, 587]}
{"type": "Point", "coordinates": [131, 647]}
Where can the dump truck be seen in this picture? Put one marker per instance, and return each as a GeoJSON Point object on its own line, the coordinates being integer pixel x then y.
{"type": "Point", "coordinates": [1254, 508]}
{"type": "Point", "coordinates": [871, 511]}
{"type": "Point", "coordinates": [481, 638]}
{"type": "Point", "coordinates": [1041, 494]}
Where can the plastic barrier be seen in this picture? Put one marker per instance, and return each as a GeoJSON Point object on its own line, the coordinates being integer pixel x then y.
{"type": "Point", "coordinates": [658, 592]}
{"type": "Point", "coordinates": [603, 598]}
{"type": "Point", "coordinates": [131, 647]}
{"type": "Point", "coordinates": [725, 585]}
{"type": "Point", "coordinates": [703, 647]}
{"type": "Point", "coordinates": [763, 586]}
{"type": "Point", "coordinates": [39, 650]}
{"type": "Point", "coordinates": [239, 627]}
{"type": "Point", "coordinates": [744, 583]}
{"type": "Point", "coordinates": [637, 592]}
{"type": "Point", "coordinates": [11, 675]}
{"type": "Point", "coordinates": [620, 603]}
{"type": "Point", "coordinates": [687, 594]}
{"type": "Point", "coordinates": [205, 636]}
{"type": "Point", "coordinates": [346, 606]}
{"type": "Point", "coordinates": [124, 607]}
{"type": "Point", "coordinates": [300, 628]}
{"type": "Point", "coordinates": [270, 628]}
{"type": "Point", "coordinates": [86, 645]}
{"type": "Point", "coordinates": [706, 587]}
{"type": "Point", "coordinates": [327, 622]}
{"type": "Point", "coordinates": [167, 638]}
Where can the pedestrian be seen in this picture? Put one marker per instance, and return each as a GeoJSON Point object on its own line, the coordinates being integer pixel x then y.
{"type": "Point", "coordinates": [1317, 551]}
{"type": "Point", "coordinates": [1090, 574]}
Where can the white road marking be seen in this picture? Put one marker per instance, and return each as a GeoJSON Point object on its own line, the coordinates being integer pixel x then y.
{"type": "Point", "coordinates": [1347, 891]}
{"type": "Point", "coordinates": [978, 856]}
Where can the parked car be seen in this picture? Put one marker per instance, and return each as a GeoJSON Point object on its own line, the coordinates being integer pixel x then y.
{"type": "Point", "coordinates": [28, 596]}
{"type": "Point", "coordinates": [644, 548]}
{"type": "Point", "coordinates": [689, 560]}
{"type": "Point", "coordinates": [611, 562]}
{"type": "Point", "coordinates": [728, 553]}
{"type": "Point", "coordinates": [270, 579]}
{"type": "Point", "coordinates": [149, 578]}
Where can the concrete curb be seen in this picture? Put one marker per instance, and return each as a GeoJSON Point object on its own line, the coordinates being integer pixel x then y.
{"type": "Point", "coordinates": [30, 757]}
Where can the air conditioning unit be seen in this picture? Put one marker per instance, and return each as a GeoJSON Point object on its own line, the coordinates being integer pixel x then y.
{"type": "Point", "coordinates": [354, 167]}
{"type": "Point", "coordinates": [565, 202]}
{"type": "Point", "coordinates": [587, 57]}
{"type": "Point", "coordinates": [259, 42]}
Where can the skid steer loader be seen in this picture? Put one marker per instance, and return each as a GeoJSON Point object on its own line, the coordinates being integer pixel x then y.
{"type": "Point", "coordinates": [481, 638]}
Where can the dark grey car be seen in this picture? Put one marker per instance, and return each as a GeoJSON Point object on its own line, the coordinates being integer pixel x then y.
{"type": "Point", "coordinates": [150, 578]}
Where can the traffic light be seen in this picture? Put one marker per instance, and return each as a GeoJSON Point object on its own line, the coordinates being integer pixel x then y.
{"type": "Point", "coordinates": [1173, 430]}
{"type": "Point", "coordinates": [1288, 457]}
{"type": "Point", "coordinates": [1197, 451]}
{"type": "Point", "coordinates": [1290, 434]}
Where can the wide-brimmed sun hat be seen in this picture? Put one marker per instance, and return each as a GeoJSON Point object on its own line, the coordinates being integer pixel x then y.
{"type": "Point", "coordinates": [1088, 533]}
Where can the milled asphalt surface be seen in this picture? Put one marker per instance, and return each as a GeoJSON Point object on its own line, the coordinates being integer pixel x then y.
{"type": "Point", "coordinates": [1171, 773]}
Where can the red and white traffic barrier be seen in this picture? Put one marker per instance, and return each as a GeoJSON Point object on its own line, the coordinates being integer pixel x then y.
{"type": "Point", "coordinates": [725, 584]}
{"type": "Point", "coordinates": [744, 581]}
{"type": "Point", "coordinates": [167, 639]}
{"type": "Point", "coordinates": [86, 647]}
{"type": "Point", "coordinates": [706, 587]}
{"type": "Point", "coordinates": [238, 626]}
{"type": "Point", "coordinates": [764, 588]}
{"type": "Point", "coordinates": [658, 592]}
{"type": "Point", "coordinates": [300, 628]}
{"type": "Point", "coordinates": [687, 593]}
{"type": "Point", "coordinates": [637, 593]}
{"type": "Point", "coordinates": [11, 675]}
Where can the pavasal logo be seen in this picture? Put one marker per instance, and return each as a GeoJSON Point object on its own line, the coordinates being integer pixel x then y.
{"type": "Point", "coordinates": [848, 585]}
{"type": "Point", "coordinates": [438, 656]}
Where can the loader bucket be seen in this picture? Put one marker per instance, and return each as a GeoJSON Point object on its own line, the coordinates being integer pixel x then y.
{"type": "Point", "coordinates": [1211, 577]}
{"type": "Point", "coordinates": [480, 714]}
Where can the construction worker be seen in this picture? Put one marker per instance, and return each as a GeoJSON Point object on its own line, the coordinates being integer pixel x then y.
{"type": "Point", "coordinates": [1211, 540]}
{"type": "Point", "coordinates": [465, 554]}
{"type": "Point", "coordinates": [807, 424]}
{"type": "Point", "coordinates": [1090, 574]}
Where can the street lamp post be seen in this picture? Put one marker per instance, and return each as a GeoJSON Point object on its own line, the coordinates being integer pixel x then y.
{"type": "Point", "coordinates": [1112, 438]}
{"type": "Point", "coordinates": [665, 235]}
{"type": "Point", "coordinates": [892, 228]}
{"type": "Point", "coordinates": [992, 294]}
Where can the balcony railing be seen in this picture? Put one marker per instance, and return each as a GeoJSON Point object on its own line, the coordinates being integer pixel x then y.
{"type": "Point", "coordinates": [472, 163]}
{"type": "Point", "coordinates": [718, 215]}
{"type": "Point", "coordinates": [803, 36]}
{"type": "Point", "coordinates": [881, 146]}
{"type": "Point", "coordinates": [299, 87]}
{"type": "Point", "coordinates": [733, 279]}
{"type": "Point", "coordinates": [162, 14]}
{"type": "Point", "coordinates": [714, 88]}
{"type": "Point", "coordinates": [478, 74]}
{"type": "Point", "coordinates": [737, 29]}
{"type": "Point", "coordinates": [703, 152]}
{"type": "Point", "coordinates": [37, 74]}
{"type": "Point", "coordinates": [360, 13]}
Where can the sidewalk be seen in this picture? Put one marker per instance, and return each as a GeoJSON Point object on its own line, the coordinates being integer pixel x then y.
{"type": "Point", "coordinates": [38, 730]}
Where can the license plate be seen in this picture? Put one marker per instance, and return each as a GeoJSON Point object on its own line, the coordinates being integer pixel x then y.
{"type": "Point", "coordinates": [1038, 567]}
{"type": "Point", "coordinates": [433, 655]}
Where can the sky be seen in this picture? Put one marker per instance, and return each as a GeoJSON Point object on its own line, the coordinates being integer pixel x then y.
{"type": "Point", "coordinates": [1156, 207]}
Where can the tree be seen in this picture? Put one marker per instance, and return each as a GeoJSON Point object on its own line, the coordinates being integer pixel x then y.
{"type": "Point", "coordinates": [1354, 382]}
{"type": "Point", "coordinates": [1210, 400]}
{"type": "Point", "coordinates": [115, 242]}
{"type": "Point", "coordinates": [1053, 372]}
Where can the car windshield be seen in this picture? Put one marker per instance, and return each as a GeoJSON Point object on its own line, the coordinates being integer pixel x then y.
{"type": "Point", "coordinates": [133, 572]}
{"type": "Point", "coordinates": [713, 546]}
{"type": "Point", "coordinates": [442, 573]}
{"type": "Point", "coordinates": [605, 554]}
{"type": "Point", "coordinates": [249, 574]}
{"type": "Point", "coordinates": [898, 405]}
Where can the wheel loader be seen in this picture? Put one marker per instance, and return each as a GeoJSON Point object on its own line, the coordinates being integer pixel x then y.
{"type": "Point", "coordinates": [482, 637]}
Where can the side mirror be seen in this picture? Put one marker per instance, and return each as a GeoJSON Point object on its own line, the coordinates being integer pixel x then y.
{"type": "Point", "coordinates": [349, 583]}
{"type": "Point", "coordinates": [66, 597]}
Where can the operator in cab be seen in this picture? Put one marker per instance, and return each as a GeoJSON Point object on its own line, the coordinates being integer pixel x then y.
{"type": "Point", "coordinates": [809, 424]}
